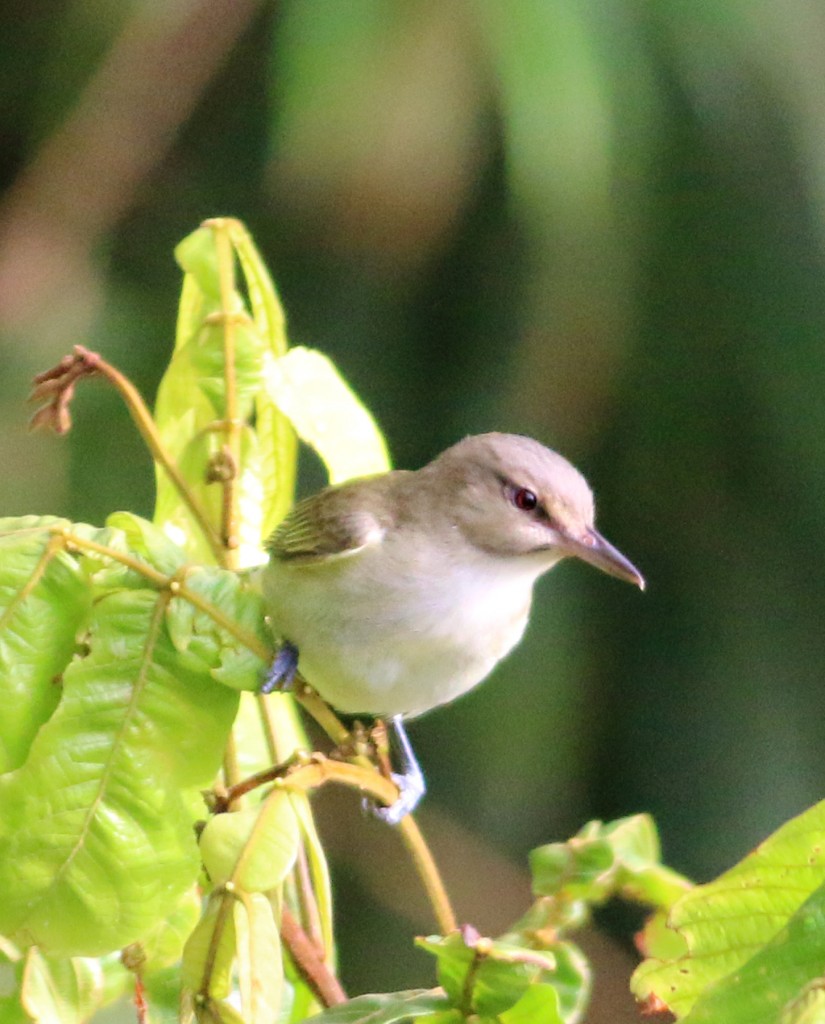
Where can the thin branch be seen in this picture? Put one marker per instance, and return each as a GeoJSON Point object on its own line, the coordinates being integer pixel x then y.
{"type": "Point", "coordinates": [175, 584]}
{"type": "Point", "coordinates": [305, 893]}
{"type": "Point", "coordinates": [221, 918]}
{"type": "Point", "coordinates": [231, 425]}
{"type": "Point", "coordinates": [323, 714]}
{"type": "Point", "coordinates": [308, 901]}
{"type": "Point", "coordinates": [417, 847]}
{"type": "Point", "coordinates": [307, 772]}
{"type": "Point", "coordinates": [55, 388]}
{"type": "Point", "coordinates": [231, 768]}
{"type": "Point", "coordinates": [429, 874]}
{"type": "Point", "coordinates": [307, 959]}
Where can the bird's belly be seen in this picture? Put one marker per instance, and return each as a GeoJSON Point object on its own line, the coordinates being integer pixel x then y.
{"type": "Point", "coordinates": [393, 674]}
{"type": "Point", "coordinates": [383, 655]}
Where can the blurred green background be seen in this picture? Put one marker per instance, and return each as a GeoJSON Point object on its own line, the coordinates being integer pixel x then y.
{"type": "Point", "coordinates": [600, 222]}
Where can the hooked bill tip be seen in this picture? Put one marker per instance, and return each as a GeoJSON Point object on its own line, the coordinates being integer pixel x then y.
{"type": "Point", "coordinates": [593, 548]}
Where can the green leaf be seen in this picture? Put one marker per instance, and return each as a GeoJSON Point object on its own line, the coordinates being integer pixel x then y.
{"type": "Point", "coordinates": [384, 1009]}
{"type": "Point", "coordinates": [454, 956]}
{"type": "Point", "coordinates": [452, 1016]}
{"type": "Point", "coordinates": [260, 973]}
{"type": "Point", "coordinates": [605, 859]}
{"type": "Point", "coordinates": [211, 948]}
{"type": "Point", "coordinates": [575, 869]}
{"type": "Point", "coordinates": [192, 396]}
{"type": "Point", "coordinates": [255, 848]}
{"type": "Point", "coordinates": [278, 445]}
{"type": "Point", "coordinates": [220, 1013]}
{"type": "Point", "coordinates": [96, 831]}
{"type": "Point", "coordinates": [237, 934]}
{"type": "Point", "coordinates": [247, 730]}
{"type": "Point", "coordinates": [729, 922]}
{"type": "Point", "coordinates": [808, 1008]}
{"type": "Point", "coordinates": [267, 311]}
{"type": "Point", "coordinates": [207, 358]}
{"type": "Point", "coordinates": [145, 540]}
{"type": "Point", "coordinates": [199, 641]}
{"type": "Point", "coordinates": [498, 986]}
{"type": "Point", "coordinates": [192, 399]}
{"type": "Point", "coordinates": [504, 974]}
{"type": "Point", "coordinates": [539, 1003]}
{"type": "Point", "coordinates": [64, 991]}
{"type": "Point", "coordinates": [197, 257]}
{"type": "Point", "coordinates": [484, 975]}
{"type": "Point", "coordinates": [162, 946]}
{"type": "Point", "coordinates": [572, 980]}
{"type": "Point", "coordinates": [44, 598]}
{"type": "Point", "coordinates": [757, 992]}
{"type": "Point", "coordinates": [163, 996]}
{"type": "Point", "coordinates": [319, 870]}
{"type": "Point", "coordinates": [325, 412]}
{"type": "Point", "coordinates": [183, 415]}
{"type": "Point", "coordinates": [641, 875]}
{"type": "Point", "coordinates": [11, 984]}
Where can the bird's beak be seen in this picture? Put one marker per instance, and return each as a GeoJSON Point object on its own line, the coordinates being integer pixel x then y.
{"type": "Point", "coordinates": [593, 548]}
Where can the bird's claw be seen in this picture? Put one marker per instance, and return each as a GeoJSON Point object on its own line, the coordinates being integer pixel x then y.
{"type": "Point", "coordinates": [282, 672]}
{"type": "Point", "coordinates": [410, 791]}
{"type": "Point", "coordinates": [410, 781]}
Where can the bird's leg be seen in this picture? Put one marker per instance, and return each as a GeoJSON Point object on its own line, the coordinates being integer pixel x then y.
{"type": "Point", "coordinates": [410, 780]}
{"type": "Point", "coordinates": [282, 672]}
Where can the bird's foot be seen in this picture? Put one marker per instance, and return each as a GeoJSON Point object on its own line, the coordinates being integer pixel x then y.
{"type": "Point", "coordinates": [282, 672]}
{"type": "Point", "coordinates": [411, 788]}
{"type": "Point", "coordinates": [410, 780]}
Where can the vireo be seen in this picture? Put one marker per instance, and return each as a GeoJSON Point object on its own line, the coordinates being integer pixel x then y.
{"type": "Point", "coordinates": [395, 593]}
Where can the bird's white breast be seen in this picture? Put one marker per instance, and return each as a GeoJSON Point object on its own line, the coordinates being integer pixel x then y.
{"type": "Point", "coordinates": [382, 634]}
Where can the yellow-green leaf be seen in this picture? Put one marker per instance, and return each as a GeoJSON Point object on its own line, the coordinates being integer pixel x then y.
{"type": "Point", "coordinates": [255, 847]}
{"type": "Point", "coordinates": [306, 387]}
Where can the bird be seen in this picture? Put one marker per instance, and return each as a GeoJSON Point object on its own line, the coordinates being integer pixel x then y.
{"type": "Point", "coordinates": [396, 593]}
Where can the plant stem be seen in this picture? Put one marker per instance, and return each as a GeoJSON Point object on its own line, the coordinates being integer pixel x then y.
{"type": "Point", "coordinates": [322, 713]}
{"type": "Point", "coordinates": [306, 774]}
{"type": "Point", "coordinates": [54, 545]}
{"type": "Point", "coordinates": [308, 961]}
{"type": "Point", "coordinates": [143, 420]}
{"type": "Point", "coordinates": [231, 425]}
{"type": "Point", "coordinates": [176, 584]}
{"type": "Point", "coordinates": [417, 847]}
{"type": "Point", "coordinates": [309, 903]}
{"type": "Point", "coordinates": [231, 769]}
{"type": "Point", "coordinates": [428, 872]}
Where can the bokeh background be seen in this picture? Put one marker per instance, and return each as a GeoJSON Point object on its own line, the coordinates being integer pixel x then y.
{"type": "Point", "coordinates": [600, 222]}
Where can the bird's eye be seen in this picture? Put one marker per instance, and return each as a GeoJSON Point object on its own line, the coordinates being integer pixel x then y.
{"type": "Point", "coordinates": [524, 499]}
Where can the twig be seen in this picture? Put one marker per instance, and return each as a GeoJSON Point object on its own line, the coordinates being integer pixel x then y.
{"type": "Point", "coordinates": [230, 425]}
{"type": "Point", "coordinates": [176, 584]}
{"type": "Point", "coordinates": [231, 769]}
{"type": "Point", "coordinates": [309, 903]}
{"type": "Point", "coordinates": [417, 847]}
{"type": "Point", "coordinates": [306, 958]}
{"type": "Point", "coordinates": [55, 389]}
{"type": "Point", "coordinates": [323, 714]}
{"type": "Point", "coordinates": [310, 771]}
{"type": "Point", "coordinates": [306, 772]}
{"type": "Point", "coordinates": [428, 872]}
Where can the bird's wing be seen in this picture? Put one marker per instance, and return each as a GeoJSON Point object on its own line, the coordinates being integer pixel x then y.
{"type": "Point", "coordinates": [324, 527]}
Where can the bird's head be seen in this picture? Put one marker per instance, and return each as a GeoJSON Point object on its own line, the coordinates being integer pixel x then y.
{"type": "Point", "coordinates": [512, 497]}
